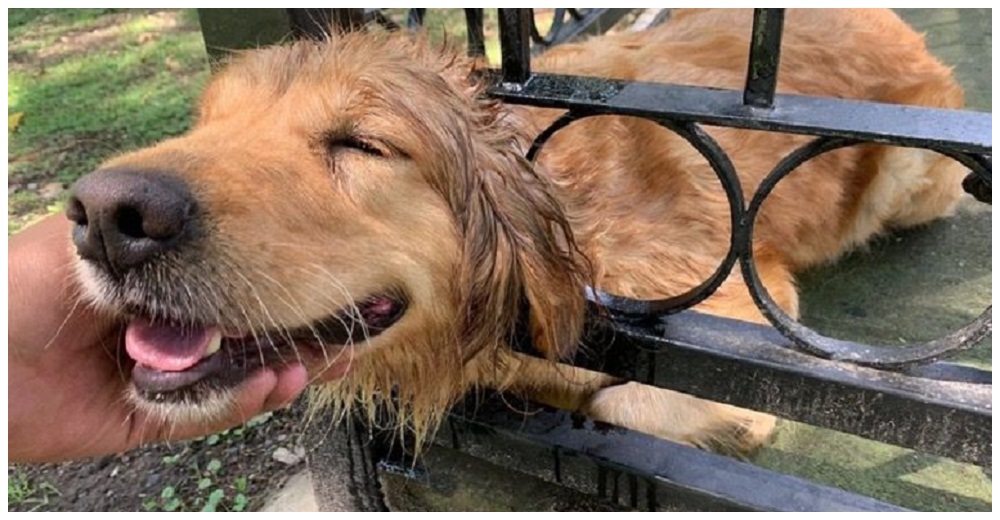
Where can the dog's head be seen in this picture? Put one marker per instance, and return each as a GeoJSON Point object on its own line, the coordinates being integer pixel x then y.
{"type": "Point", "coordinates": [355, 204]}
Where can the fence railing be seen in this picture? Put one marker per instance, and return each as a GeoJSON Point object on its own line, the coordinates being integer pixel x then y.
{"type": "Point", "coordinates": [902, 395]}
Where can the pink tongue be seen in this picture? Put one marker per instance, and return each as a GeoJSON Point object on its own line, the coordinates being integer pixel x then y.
{"type": "Point", "coordinates": [166, 347]}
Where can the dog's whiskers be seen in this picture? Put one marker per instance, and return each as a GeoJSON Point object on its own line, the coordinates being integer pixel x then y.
{"type": "Point", "coordinates": [295, 308]}
{"type": "Point", "coordinates": [263, 329]}
{"type": "Point", "coordinates": [353, 311]}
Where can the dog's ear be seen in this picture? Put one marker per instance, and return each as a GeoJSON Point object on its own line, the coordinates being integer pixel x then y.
{"type": "Point", "coordinates": [518, 247]}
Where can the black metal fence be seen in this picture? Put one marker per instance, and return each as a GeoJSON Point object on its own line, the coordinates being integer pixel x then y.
{"type": "Point", "coordinates": [904, 396]}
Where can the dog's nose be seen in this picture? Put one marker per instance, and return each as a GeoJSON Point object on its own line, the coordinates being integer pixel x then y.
{"type": "Point", "coordinates": [125, 218]}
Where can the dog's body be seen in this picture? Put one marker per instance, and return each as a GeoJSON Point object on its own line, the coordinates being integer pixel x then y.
{"type": "Point", "coordinates": [365, 184]}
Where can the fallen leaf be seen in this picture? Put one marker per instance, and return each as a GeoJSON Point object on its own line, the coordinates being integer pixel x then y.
{"type": "Point", "coordinates": [172, 64]}
{"type": "Point", "coordinates": [14, 121]}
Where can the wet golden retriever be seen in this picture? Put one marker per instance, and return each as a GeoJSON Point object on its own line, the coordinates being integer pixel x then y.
{"type": "Point", "coordinates": [360, 205]}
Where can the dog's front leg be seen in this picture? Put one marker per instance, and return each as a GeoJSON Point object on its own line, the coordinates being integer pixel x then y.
{"type": "Point", "coordinates": [655, 411]}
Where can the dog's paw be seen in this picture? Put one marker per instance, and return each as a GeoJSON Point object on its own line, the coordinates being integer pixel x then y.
{"type": "Point", "coordinates": [681, 418]}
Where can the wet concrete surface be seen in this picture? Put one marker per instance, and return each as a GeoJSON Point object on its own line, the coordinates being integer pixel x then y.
{"type": "Point", "coordinates": [912, 285]}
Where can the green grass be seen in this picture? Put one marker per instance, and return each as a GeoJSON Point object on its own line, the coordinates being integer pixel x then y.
{"type": "Point", "coordinates": [18, 488]}
{"type": "Point", "coordinates": [33, 29]}
{"type": "Point", "coordinates": [204, 489]}
{"type": "Point", "coordinates": [91, 84]}
{"type": "Point", "coordinates": [27, 495]}
{"type": "Point", "coordinates": [209, 493]}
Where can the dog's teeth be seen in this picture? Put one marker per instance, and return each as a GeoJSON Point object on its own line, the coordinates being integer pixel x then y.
{"type": "Point", "coordinates": [214, 345]}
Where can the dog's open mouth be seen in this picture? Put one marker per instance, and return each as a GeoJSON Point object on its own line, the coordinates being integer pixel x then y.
{"type": "Point", "coordinates": [176, 362]}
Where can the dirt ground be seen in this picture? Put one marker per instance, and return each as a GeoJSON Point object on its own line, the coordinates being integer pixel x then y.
{"type": "Point", "coordinates": [242, 462]}
{"type": "Point", "coordinates": [84, 85]}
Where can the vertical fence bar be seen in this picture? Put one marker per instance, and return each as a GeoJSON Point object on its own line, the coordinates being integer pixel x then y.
{"type": "Point", "coordinates": [348, 19]}
{"type": "Point", "coordinates": [226, 29]}
{"type": "Point", "coordinates": [310, 23]}
{"type": "Point", "coordinates": [415, 18]}
{"type": "Point", "coordinates": [515, 44]}
{"type": "Point", "coordinates": [317, 23]}
{"type": "Point", "coordinates": [765, 54]}
{"type": "Point", "coordinates": [474, 29]}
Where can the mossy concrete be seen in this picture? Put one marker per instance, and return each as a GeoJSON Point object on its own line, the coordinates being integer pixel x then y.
{"type": "Point", "coordinates": [907, 286]}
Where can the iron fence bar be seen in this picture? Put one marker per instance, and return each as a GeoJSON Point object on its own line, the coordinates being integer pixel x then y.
{"type": "Point", "coordinates": [695, 478]}
{"type": "Point", "coordinates": [558, 17]}
{"type": "Point", "coordinates": [957, 130]}
{"type": "Point", "coordinates": [939, 408]}
{"type": "Point", "coordinates": [643, 311]}
{"type": "Point", "coordinates": [742, 219]}
{"type": "Point", "coordinates": [944, 417]}
{"type": "Point", "coordinates": [415, 18]}
{"type": "Point", "coordinates": [765, 55]}
{"type": "Point", "coordinates": [753, 366]}
{"type": "Point", "coordinates": [257, 27]}
{"type": "Point", "coordinates": [811, 341]}
{"type": "Point", "coordinates": [979, 185]}
{"type": "Point", "coordinates": [376, 16]}
{"type": "Point", "coordinates": [595, 21]}
{"type": "Point", "coordinates": [949, 371]}
{"type": "Point", "coordinates": [515, 45]}
{"type": "Point", "coordinates": [474, 31]}
{"type": "Point", "coordinates": [316, 23]}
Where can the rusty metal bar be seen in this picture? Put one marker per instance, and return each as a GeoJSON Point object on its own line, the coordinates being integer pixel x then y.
{"type": "Point", "coordinates": [765, 55]}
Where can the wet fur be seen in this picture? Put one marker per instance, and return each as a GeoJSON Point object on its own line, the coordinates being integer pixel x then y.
{"type": "Point", "coordinates": [452, 216]}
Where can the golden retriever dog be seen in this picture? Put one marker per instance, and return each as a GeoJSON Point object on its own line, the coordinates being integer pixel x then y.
{"type": "Point", "coordinates": [360, 205]}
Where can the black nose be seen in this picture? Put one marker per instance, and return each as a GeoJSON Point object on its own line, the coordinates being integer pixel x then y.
{"type": "Point", "coordinates": [125, 218]}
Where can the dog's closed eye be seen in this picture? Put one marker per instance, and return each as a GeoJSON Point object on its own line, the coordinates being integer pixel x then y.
{"type": "Point", "coordinates": [367, 146]}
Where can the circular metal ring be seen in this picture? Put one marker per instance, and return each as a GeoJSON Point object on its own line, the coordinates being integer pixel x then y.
{"type": "Point", "coordinates": [643, 310]}
{"type": "Point", "coordinates": [811, 341]}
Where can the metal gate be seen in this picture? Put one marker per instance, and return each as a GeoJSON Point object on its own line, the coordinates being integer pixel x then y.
{"type": "Point", "coordinates": [902, 396]}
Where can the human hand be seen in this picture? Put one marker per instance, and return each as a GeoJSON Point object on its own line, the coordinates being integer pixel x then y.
{"type": "Point", "coordinates": [67, 374]}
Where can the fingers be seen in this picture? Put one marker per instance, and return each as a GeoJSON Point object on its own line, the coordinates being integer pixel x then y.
{"type": "Point", "coordinates": [46, 308]}
{"type": "Point", "coordinates": [292, 380]}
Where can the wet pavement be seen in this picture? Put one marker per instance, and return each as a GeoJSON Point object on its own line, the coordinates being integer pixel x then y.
{"type": "Point", "coordinates": [914, 285]}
